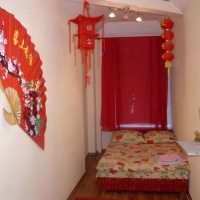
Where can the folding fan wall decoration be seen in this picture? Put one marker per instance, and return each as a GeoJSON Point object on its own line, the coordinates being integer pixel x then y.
{"type": "Point", "coordinates": [21, 78]}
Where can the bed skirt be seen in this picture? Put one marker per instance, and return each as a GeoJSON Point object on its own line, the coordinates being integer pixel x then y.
{"type": "Point", "coordinates": [147, 185]}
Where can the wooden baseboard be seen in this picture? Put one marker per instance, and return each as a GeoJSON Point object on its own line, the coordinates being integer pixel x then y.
{"type": "Point", "coordinates": [188, 196]}
{"type": "Point", "coordinates": [92, 154]}
{"type": "Point", "coordinates": [96, 153]}
{"type": "Point", "coordinates": [72, 194]}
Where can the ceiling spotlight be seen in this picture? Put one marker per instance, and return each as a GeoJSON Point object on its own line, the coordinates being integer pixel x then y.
{"type": "Point", "coordinates": [112, 12]}
{"type": "Point", "coordinates": [111, 15]}
{"type": "Point", "coordinates": [139, 19]}
{"type": "Point", "coordinates": [125, 10]}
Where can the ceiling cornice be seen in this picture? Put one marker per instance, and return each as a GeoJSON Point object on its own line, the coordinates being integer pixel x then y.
{"type": "Point", "coordinates": [158, 7]}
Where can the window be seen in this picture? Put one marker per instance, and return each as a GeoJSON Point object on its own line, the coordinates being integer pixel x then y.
{"type": "Point", "coordinates": [134, 84]}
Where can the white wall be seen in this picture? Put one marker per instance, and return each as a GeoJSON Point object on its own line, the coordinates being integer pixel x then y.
{"type": "Point", "coordinates": [93, 102]}
{"type": "Point", "coordinates": [132, 29]}
{"type": "Point", "coordinates": [27, 172]}
{"type": "Point", "coordinates": [185, 85]}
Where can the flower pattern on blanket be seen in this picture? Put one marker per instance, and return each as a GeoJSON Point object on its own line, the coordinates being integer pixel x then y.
{"type": "Point", "coordinates": [140, 161]}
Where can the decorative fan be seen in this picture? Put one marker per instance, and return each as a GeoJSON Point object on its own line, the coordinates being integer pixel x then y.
{"type": "Point", "coordinates": [21, 78]}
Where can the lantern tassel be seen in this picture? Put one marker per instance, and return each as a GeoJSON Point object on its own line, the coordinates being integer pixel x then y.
{"type": "Point", "coordinates": [74, 41]}
{"type": "Point", "coordinates": [70, 48]}
{"type": "Point", "coordinates": [168, 64]}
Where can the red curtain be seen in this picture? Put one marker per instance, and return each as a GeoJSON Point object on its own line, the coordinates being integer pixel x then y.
{"type": "Point", "coordinates": [134, 84]}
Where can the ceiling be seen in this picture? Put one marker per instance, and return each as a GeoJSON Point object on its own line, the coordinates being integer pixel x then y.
{"type": "Point", "coordinates": [148, 9]}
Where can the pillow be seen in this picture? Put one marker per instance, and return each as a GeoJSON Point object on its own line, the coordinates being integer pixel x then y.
{"type": "Point", "coordinates": [128, 136]}
{"type": "Point", "coordinates": [154, 137]}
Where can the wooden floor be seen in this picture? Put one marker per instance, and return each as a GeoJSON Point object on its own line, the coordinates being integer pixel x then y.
{"type": "Point", "coordinates": [88, 187]}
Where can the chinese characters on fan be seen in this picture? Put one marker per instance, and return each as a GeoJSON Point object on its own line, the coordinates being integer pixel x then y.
{"type": "Point", "coordinates": [21, 45]}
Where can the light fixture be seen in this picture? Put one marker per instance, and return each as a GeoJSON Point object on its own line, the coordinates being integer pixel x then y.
{"type": "Point", "coordinates": [111, 15]}
{"type": "Point", "coordinates": [125, 10]}
{"type": "Point", "coordinates": [125, 16]}
{"type": "Point", "coordinates": [138, 19]}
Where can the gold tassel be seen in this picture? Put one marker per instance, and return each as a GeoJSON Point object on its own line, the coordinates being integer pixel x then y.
{"type": "Point", "coordinates": [168, 64]}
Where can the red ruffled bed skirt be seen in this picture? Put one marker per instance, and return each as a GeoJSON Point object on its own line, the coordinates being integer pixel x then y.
{"type": "Point", "coordinates": [147, 185]}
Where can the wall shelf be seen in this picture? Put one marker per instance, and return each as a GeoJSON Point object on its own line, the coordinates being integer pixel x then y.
{"type": "Point", "coordinates": [191, 148]}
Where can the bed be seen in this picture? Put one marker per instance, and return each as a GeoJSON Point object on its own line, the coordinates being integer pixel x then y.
{"type": "Point", "coordinates": [149, 162]}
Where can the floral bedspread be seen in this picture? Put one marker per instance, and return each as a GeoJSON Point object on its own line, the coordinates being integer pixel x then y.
{"type": "Point", "coordinates": [140, 161]}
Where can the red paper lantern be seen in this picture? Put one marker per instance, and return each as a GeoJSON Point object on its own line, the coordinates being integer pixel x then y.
{"type": "Point", "coordinates": [86, 31]}
{"type": "Point", "coordinates": [167, 23]}
{"type": "Point", "coordinates": [168, 46]}
{"type": "Point", "coordinates": [86, 34]}
{"type": "Point", "coordinates": [168, 35]}
{"type": "Point", "coordinates": [168, 56]}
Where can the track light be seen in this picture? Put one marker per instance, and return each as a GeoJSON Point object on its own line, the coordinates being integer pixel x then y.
{"type": "Point", "coordinates": [111, 15]}
{"type": "Point", "coordinates": [125, 10]}
{"type": "Point", "coordinates": [112, 12]}
{"type": "Point", "coordinates": [139, 19]}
